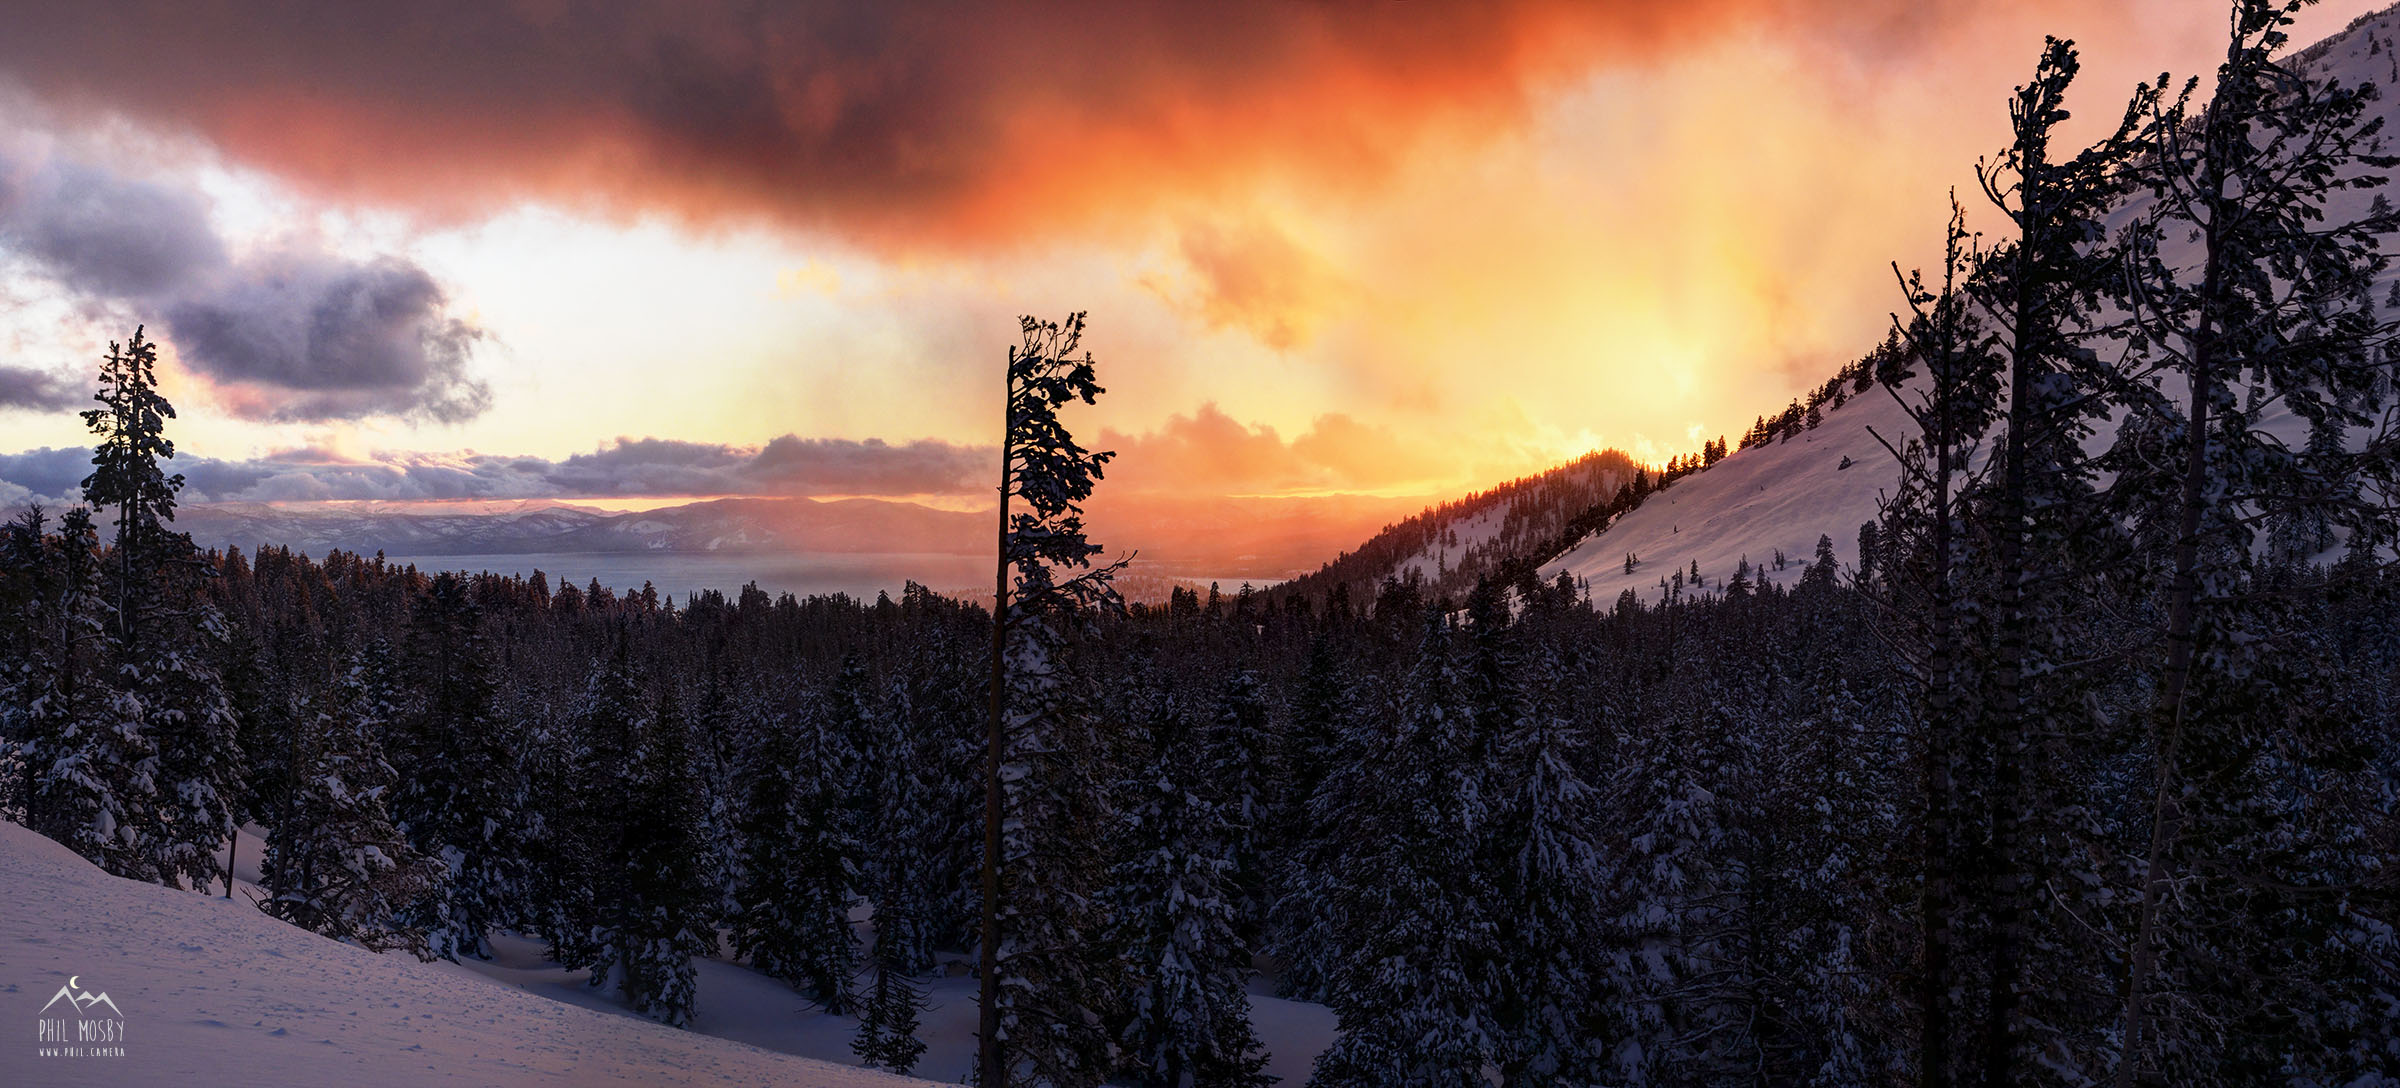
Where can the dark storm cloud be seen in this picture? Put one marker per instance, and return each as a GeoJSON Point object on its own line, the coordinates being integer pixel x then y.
{"type": "Point", "coordinates": [46, 473]}
{"type": "Point", "coordinates": [331, 339]}
{"type": "Point", "coordinates": [908, 124]}
{"type": "Point", "coordinates": [295, 334]}
{"type": "Point", "coordinates": [21, 387]}
{"type": "Point", "coordinates": [108, 235]}
{"type": "Point", "coordinates": [627, 468]}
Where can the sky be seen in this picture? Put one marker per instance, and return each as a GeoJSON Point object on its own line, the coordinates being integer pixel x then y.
{"type": "Point", "coordinates": [639, 252]}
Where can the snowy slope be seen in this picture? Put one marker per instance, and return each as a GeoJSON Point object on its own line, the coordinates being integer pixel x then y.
{"type": "Point", "coordinates": [1781, 495]}
{"type": "Point", "coordinates": [1475, 531]}
{"type": "Point", "coordinates": [1787, 494]}
{"type": "Point", "coordinates": [215, 993]}
{"type": "Point", "coordinates": [187, 971]}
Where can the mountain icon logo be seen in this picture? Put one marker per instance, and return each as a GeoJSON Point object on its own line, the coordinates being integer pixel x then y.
{"type": "Point", "coordinates": [82, 1000]}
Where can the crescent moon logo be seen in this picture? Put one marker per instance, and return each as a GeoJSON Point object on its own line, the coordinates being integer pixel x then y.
{"type": "Point", "coordinates": [71, 979]}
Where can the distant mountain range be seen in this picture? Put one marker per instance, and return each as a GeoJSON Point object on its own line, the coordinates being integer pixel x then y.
{"type": "Point", "coordinates": [1203, 539]}
{"type": "Point", "coordinates": [721, 525]}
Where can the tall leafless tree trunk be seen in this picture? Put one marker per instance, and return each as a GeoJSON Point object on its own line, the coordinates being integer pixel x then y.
{"type": "Point", "coordinates": [989, 1062]}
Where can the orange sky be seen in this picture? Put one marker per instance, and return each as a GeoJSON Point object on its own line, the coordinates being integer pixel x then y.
{"type": "Point", "coordinates": [1387, 248]}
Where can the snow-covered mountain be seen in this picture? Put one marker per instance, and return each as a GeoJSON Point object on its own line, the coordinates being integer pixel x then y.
{"type": "Point", "coordinates": [1779, 498]}
{"type": "Point", "coordinates": [1771, 500]}
{"type": "Point", "coordinates": [1450, 545]}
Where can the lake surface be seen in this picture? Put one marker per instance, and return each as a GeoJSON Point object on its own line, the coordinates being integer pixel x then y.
{"type": "Point", "coordinates": [680, 574]}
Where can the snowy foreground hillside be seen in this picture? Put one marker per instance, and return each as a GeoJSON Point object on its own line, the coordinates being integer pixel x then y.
{"type": "Point", "coordinates": [215, 993]}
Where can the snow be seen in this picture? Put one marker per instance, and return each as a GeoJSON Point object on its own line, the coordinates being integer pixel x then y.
{"type": "Point", "coordinates": [217, 993]}
{"type": "Point", "coordinates": [1786, 494]}
{"type": "Point", "coordinates": [1472, 532]}
{"type": "Point", "coordinates": [1781, 495]}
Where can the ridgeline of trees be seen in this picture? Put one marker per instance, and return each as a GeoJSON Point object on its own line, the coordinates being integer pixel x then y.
{"type": "Point", "coordinates": [1531, 512]}
{"type": "Point", "coordinates": [2088, 771]}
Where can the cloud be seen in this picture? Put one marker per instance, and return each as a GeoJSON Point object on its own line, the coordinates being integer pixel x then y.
{"type": "Point", "coordinates": [22, 387]}
{"type": "Point", "coordinates": [295, 333]}
{"type": "Point", "coordinates": [940, 126]}
{"type": "Point", "coordinates": [789, 465]}
{"type": "Point", "coordinates": [1254, 277]}
{"type": "Point", "coordinates": [309, 337]}
{"type": "Point", "coordinates": [106, 234]}
{"type": "Point", "coordinates": [1209, 452]}
{"type": "Point", "coordinates": [626, 468]}
{"type": "Point", "coordinates": [47, 475]}
{"type": "Point", "coordinates": [1206, 452]}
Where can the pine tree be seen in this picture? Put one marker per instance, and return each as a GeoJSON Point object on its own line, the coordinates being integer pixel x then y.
{"type": "Point", "coordinates": [461, 801]}
{"type": "Point", "coordinates": [1055, 993]}
{"type": "Point", "coordinates": [126, 474]}
{"type": "Point", "coordinates": [800, 864]}
{"type": "Point", "coordinates": [1177, 916]}
{"type": "Point", "coordinates": [668, 916]}
{"type": "Point", "coordinates": [2280, 292]}
{"type": "Point", "coordinates": [903, 863]}
{"type": "Point", "coordinates": [1551, 881]}
{"type": "Point", "coordinates": [1952, 402]}
{"type": "Point", "coordinates": [2041, 291]}
{"type": "Point", "coordinates": [90, 762]}
{"type": "Point", "coordinates": [335, 864]}
{"type": "Point", "coordinates": [1239, 765]}
{"type": "Point", "coordinates": [164, 636]}
{"type": "Point", "coordinates": [1416, 992]}
{"type": "Point", "coordinates": [1044, 999]}
{"type": "Point", "coordinates": [630, 902]}
{"type": "Point", "coordinates": [887, 1032]}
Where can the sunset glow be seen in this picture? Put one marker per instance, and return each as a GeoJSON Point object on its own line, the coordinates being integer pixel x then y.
{"type": "Point", "coordinates": [1390, 250]}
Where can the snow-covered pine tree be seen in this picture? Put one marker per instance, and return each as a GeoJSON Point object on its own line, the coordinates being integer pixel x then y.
{"type": "Point", "coordinates": [942, 707]}
{"type": "Point", "coordinates": [163, 633]}
{"type": "Point", "coordinates": [461, 799]}
{"type": "Point", "coordinates": [2274, 313]}
{"type": "Point", "coordinates": [90, 764]}
{"type": "Point", "coordinates": [601, 765]}
{"type": "Point", "coordinates": [800, 862]}
{"type": "Point", "coordinates": [1240, 750]}
{"type": "Point", "coordinates": [668, 915]}
{"type": "Point", "coordinates": [1056, 987]}
{"type": "Point", "coordinates": [335, 864]}
{"type": "Point", "coordinates": [259, 691]}
{"type": "Point", "coordinates": [2042, 292]}
{"type": "Point", "coordinates": [722, 724]}
{"type": "Point", "coordinates": [1551, 884]}
{"type": "Point", "coordinates": [1670, 832]}
{"type": "Point", "coordinates": [192, 728]}
{"type": "Point", "coordinates": [1420, 965]}
{"type": "Point", "coordinates": [887, 1029]}
{"type": "Point", "coordinates": [1176, 913]}
{"type": "Point", "coordinates": [1338, 723]}
{"type": "Point", "coordinates": [1045, 995]}
{"type": "Point", "coordinates": [901, 837]}
{"type": "Point", "coordinates": [22, 647]}
{"type": "Point", "coordinates": [1947, 377]}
